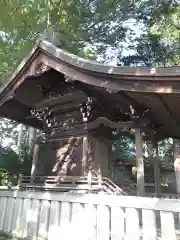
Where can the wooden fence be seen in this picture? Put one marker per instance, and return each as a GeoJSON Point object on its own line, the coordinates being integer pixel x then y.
{"type": "Point", "coordinates": [165, 195]}
{"type": "Point", "coordinates": [70, 183]}
{"type": "Point", "coordinates": [53, 215]}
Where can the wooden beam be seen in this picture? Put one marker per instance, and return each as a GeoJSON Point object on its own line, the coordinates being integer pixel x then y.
{"type": "Point", "coordinates": [116, 125]}
{"type": "Point", "coordinates": [27, 68]}
{"type": "Point", "coordinates": [108, 123]}
{"type": "Point", "coordinates": [64, 134]}
{"type": "Point", "coordinates": [161, 114]}
{"type": "Point", "coordinates": [168, 113]}
{"type": "Point", "coordinates": [124, 97]}
{"type": "Point", "coordinates": [81, 129]}
{"type": "Point", "coordinates": [139, 163]}
{"type": "Point", "coordinates": [106, 97]}
{"type": "Point", "coordinates": [71, 97]}
{"type": "Point", "coordinates": [68, 115]}
{"type": "Point", "coordinates": [67, 107]}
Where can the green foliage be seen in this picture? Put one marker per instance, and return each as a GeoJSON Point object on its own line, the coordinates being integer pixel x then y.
{"type": "Point", "coordinates": [9, 166]}
{"type": "Point", "coordinates": [9, 160]}
{"type": "Point", "coordinates": [8, 132]}
{"type": "Point", "coordinates": [92, 24]}
{"type": "Point", "coordinates": [25, 160]}
{"type": "Point", "coordinates": [124, 146]}
{"type": "Point", "coordinates": [12, 165]}
{"type": "Point", "coordinates": [166, 151]}
{"type": "Point", "coordinates": [159, 43]}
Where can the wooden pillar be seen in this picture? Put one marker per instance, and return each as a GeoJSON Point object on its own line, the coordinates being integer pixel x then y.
{"type": "Point", "coordinates": [31, 137]}
{"type": "Point", "coordinates": [105, 157]}
{"type": "Point", "coordinates": [35, 162]}
{"type": "Point", "coordinates": [176, 157]}
{"type": "Point", "coordinates": [157, 176]}
{"type": "Point", "coordinates": [19, 141]}
{"type": "Point", "coordinates": [139, 163]}
{"type": "Point", "coordinates": [110, 157]}
{"type": "Point", "coordinates": [84, 155]}
{"type": "Point", "coordinates": [26, 135]}
{"type": "Point", "coordinates": [101, 155]}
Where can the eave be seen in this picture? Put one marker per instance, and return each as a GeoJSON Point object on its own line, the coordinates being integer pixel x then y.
{"type": "Point", "coordinates": [156, 89]}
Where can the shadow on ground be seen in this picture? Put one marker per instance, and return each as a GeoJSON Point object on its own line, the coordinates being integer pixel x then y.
{"type": "Point", "coordinates": [6, 237]}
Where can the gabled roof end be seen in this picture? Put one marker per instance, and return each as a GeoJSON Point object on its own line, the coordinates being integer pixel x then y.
{"type": "Point", "coordinates": [51, 36]}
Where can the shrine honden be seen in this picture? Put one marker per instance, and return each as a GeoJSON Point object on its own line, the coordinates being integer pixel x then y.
{"type": "Point", "coordinates": [79, 107]}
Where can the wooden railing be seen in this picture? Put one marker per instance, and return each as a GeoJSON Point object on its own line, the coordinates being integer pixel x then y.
{"type": "Point", "coordinates": [129, 187]}
{"type": "Point", "coordinates": [70, 183]}
{"type": "Point", "coordinates": [165, 195]}
{"type": "Point", "coordinates": [92, 185]}
{"type": "Point", "coordinates": [52, 215]}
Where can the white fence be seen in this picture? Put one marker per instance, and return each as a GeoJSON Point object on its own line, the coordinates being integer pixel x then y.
{"type": "Point", "coordinates": [53, 215]}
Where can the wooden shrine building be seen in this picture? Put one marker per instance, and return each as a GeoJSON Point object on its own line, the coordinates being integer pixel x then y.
{"type": "Point", "coordinates": [80, 105]}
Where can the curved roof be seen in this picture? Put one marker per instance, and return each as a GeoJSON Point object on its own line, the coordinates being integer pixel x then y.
{"type": "Point", "coordinates": [142, 79]}
{"type": "Point", "coordinates": [162, 80]}
{"type": "Point", "coordinates": [89, 65]}
{"type": "Point", "coordinates": [151, 89]}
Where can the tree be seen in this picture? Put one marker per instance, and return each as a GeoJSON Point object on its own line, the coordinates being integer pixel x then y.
{"type": "Point", "coordinates": [13, 164]}
{"type": "Point", "coordinates": [8, 132]}
{"type": "Point", "coordinates": [85, 27]}
{"type": "Point", "coordinates": [159, 43]}
{"type": "Point", "coordinates": [157, 46]}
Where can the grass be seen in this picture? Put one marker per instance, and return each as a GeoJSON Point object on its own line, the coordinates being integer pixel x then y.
{"type": "Point", "coordinates": [4, 236]}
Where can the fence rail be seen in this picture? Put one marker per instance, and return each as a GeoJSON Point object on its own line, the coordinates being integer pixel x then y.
{"type": "Point", "coordinates": [165, 195]}
{"type": "Point", "coordinates": [70, 183]}
{"type": "Point", "coordinates": [53, 215]}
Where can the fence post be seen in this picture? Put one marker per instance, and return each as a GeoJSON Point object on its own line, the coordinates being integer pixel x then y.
{"type": "Point", "coordinates": [35, 162]}
{"type": "Point", "coordinates": [157, 177]}
{"type": "Point", "coordinates": [20, 179]}
{"type": "Point", "coordinates": [90, 178]}
{"type": "Point", "coordinates": [99, 178]}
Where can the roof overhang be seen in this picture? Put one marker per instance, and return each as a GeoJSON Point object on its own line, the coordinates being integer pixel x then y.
{"type": "Point", "coordinates": [152, 89]}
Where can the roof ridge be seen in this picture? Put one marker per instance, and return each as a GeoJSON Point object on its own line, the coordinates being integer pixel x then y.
{"type": "Point", "coordinates": [50, 35]}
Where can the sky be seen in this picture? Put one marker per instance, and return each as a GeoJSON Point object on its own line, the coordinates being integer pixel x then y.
{"type": "Point", "coordinates": [138, 29]}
